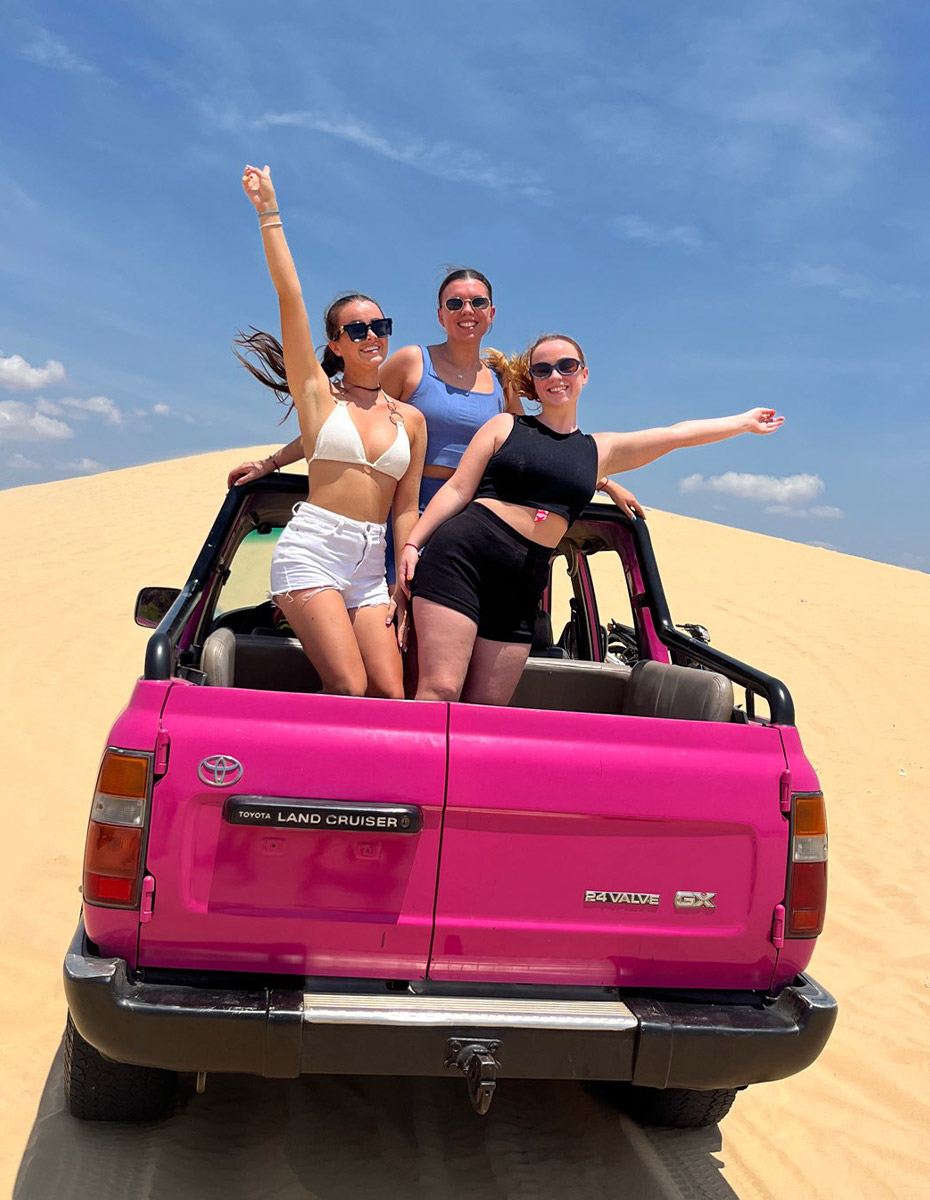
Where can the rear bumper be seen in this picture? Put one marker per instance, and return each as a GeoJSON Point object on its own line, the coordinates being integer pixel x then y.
{"type": "Point", "coordinates": [283, 1033]}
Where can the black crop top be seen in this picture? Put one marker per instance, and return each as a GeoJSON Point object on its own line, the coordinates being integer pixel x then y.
{"type": "Point", "coordinates": [543, 469]}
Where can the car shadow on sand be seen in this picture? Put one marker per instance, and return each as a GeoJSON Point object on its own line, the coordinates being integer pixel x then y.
{"type": "Point", "coordinates": [348, 1137]}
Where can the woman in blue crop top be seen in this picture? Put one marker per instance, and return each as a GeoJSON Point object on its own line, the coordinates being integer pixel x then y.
{"type": "Point", "coordinates": [488, 534]}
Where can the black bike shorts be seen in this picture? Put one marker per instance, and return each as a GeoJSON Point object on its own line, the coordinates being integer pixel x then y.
{"type": "Point", "coordinates": [476, 564]}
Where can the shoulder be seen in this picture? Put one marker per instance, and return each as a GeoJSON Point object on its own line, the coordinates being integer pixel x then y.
{"type": "Point", "coordinates": [499, 427]}
{"type": "Point", "coordinates": [405, 357]}
{"type": "Point", "coordinates": [411, 416]}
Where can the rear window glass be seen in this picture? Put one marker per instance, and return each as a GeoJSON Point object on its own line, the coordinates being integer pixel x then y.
{"type": "Point", "coordinates": [249, 573]}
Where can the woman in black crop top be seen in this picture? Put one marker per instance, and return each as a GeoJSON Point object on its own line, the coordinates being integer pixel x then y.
{"type": "Point", "coordinates": [488, 534]}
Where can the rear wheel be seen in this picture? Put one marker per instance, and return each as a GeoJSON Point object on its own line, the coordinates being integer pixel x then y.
{"type": "Point", "coordinates": [675, 1108]}
{"type": "Point", "coordinates": [100, 1090]}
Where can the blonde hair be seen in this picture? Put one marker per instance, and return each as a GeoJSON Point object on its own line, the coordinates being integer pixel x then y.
{"type": "Point", "coordinates": [514, 369]}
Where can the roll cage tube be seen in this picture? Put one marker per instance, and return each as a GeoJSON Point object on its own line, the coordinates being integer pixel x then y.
{"type": "Point", "coordinates": [161, 649]}
{"type": "Point", "coordinates": [781, 705]}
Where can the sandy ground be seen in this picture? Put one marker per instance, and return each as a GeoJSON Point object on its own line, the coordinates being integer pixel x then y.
{"type": "Point", "coordinates": [849, 636]}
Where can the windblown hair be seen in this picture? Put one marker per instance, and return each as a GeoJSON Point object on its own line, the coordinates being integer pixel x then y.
{"type": "Point", "coordinates": [514, 370]}
{"type": "Point", "coordinates": [270, 354]}
{"type": "Point", "coordinates": [457, 273]}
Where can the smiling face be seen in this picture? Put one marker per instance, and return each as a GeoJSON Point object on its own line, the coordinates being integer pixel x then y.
{"type": "Point", "coordinates": [371, 350]}
{"type": "Point", "coordinates": [558, 391]}
{"type": "Point", "coordinates": [469, 324]}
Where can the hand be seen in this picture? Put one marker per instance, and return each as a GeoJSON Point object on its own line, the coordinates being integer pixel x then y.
{"type": "Point", "coordinates": [259, 188]}
{"type": "Point", "coordinates": [399, 610]}
{"type": "Point", "coordinates": [247, 471]}
{"type": "Point", "coordinates": [409, 557]}
{"type": "Point", "coordinates": [624, 499]}
{"type": "Point", "coordinates": [762, 420]}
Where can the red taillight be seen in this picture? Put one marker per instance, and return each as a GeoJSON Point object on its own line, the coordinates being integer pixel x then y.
{"type": "Point", "coordinates": [112, 855]}
{"type": "Point", "coordinates": [807, 875]}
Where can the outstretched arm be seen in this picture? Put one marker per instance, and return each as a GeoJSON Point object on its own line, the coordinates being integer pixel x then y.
{"type": "Point", "coordinates": [626, 451]}
{"type": "Point", "coordinates": [257, 468]}
{"type": "Point", "coordinates": [306, 380]}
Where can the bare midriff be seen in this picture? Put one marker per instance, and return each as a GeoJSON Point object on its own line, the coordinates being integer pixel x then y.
{"type": "Point", "coordinates": [548, 531]}
{"type": "Point", "coordinates": [352, 490]}
{"type": "Point", "coordinates": [435, 472]}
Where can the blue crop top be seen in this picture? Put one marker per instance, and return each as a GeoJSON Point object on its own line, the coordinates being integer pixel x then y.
{"type": "Point", "coordinates": [453, 415]}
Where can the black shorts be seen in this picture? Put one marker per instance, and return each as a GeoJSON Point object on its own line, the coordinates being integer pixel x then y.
{"type": "Point", "coordinates": [477, 565]}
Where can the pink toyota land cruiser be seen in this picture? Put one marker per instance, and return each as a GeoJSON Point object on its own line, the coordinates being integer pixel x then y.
{"type": "Point", "coordinates": [619, 877]}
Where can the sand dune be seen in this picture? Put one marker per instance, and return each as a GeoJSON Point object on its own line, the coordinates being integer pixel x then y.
{"type": "Point", "coordinates": [848, 636]}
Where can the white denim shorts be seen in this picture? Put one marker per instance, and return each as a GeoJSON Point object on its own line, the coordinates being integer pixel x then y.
{"type": "Point", "coordinates": [320, 549]}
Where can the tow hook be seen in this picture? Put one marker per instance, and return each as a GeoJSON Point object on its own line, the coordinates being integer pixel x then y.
{"type": "Point", "coordinates": [478, 1063]}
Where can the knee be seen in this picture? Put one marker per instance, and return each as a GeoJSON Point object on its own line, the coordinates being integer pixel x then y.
{"type": "Point", "coordinates": [439, 688]}
{"type": "Point", "coordinates": [389, 691]}
{"type": "Point", "coordinates": [347, 684]}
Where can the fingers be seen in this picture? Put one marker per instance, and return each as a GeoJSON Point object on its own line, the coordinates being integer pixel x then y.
{"type": "Point", "coordinates": [391, 612]}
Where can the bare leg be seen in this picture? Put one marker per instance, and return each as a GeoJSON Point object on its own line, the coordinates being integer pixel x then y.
{"type": "Point", "coordinates": [445, 639]}
{"type": "Point", "coordinates": [411, 672]}
{"type": "Point", "coordinates": [381, 655]}
{"type": "Point", "coordinates": [321, 622]}
{"type": "Point", "coordinates": [494, 672]}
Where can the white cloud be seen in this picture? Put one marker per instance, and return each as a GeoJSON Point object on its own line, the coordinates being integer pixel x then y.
{"type": "Point", "coordinates": [19, 462]}
{"type": "Point", "coordinates": [18, 376]}
{"type": "Point", "coordinates": [165, 410]}
{"type": "Point", "coordinates": [790, 489]}
{"type": "Point", "coordinates": [823, 511]}
{"type": "Point", "coordinates": [20, 422]}
{"type": "Point", "coordinates": [87, 466]}
{"type": "Point", "coordinates": [49, 51]}
{"type": "Point", "coordinates": [850, 285]}
{"type": "Point", "coordinates": [95, 406]}
{"type": "Point", "coordinates": [442, 159]}
{"type": "Point", "coordinates": [637, 229]}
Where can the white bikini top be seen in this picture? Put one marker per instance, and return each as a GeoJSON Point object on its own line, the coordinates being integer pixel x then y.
{"type": "Point", "coordinates": [339, 441]}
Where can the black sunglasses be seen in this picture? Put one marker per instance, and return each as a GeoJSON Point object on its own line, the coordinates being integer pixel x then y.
{"type": "Point", "coordinates": [457, 303]}
{"type": "Point", "coordinates": [564, 366]}
{"type": "Point", "coordinates": [358, 330]}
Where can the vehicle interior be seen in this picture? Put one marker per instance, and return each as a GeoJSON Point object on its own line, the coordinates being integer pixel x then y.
{"type": "Point", "coordinates": [579, 660]}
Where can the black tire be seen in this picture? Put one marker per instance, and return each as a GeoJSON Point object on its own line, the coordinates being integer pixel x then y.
{"type": "Point", "coordinates": [674, 1108]}
{"type": "Point", "coordinates": [98, 1089]}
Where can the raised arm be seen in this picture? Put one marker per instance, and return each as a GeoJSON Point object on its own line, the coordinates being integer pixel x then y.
{"type": "Point", "coordinates": [455, 493]}
{"type": "Point", "coordinates": [626, 451]}
{"type": "Point", "coordinates": [306, 379]}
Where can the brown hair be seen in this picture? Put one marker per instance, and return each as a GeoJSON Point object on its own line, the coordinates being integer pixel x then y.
{"type": "Point", "coordinates": [515, 370]}
{"type": "Point", "coordinates": [268, 350]}
{"type": "Point", "coordinates": [457, 273]}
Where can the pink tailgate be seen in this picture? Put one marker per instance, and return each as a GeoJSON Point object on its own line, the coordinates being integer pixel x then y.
{"type": "Point", "coordinates": [295, 900]}
{"type": "Point", "coordinates": [544, 807]}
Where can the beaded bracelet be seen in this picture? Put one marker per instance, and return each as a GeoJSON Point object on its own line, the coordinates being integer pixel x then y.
{"type": "Point", "coordinates": [270, 212]}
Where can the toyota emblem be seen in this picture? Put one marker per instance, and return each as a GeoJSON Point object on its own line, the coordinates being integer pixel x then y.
{"type": "Point", "coordinates": [219, 770]}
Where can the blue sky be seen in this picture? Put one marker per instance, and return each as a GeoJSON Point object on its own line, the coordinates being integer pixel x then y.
{"type": "Point", "coordinates": [726, 204]}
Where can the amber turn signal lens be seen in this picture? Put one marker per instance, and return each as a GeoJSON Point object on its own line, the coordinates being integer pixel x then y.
{"type": "Point", "coordinates": [123, 775]}
{"type": "Point", "coordinates": [810, 816]}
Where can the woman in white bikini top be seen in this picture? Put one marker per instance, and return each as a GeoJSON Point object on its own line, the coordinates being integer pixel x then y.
{"type": "Point", "coordinates": [339, 441]}
{"type": "Point", "coordinates": [368, 452]}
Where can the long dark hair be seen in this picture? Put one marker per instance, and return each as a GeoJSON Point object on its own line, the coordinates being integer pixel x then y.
{"type": "Point", "coordinates": [268, 350]}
